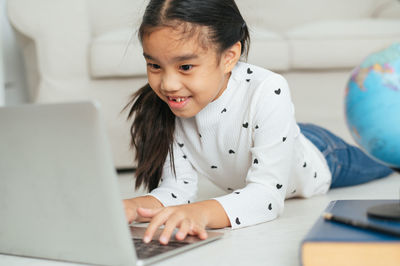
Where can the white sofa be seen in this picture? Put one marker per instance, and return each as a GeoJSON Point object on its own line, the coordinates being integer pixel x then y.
{"type": "Point", "coordinates": [88, 49]}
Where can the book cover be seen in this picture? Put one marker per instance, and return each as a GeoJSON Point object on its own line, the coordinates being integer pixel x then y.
{"type": "Point", "coordinates": [331, 243]}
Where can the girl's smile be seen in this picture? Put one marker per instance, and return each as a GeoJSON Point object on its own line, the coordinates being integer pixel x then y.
{"type": "Point", "coordinates": [185, 73]}
{"type": "Point", "coordinates": [177, 102]}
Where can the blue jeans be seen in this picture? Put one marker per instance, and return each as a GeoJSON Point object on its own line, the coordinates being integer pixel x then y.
{"type": "Point", "coordinates": [347, 163]}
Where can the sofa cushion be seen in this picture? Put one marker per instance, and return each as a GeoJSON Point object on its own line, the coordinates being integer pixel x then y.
{"type": "Point", "coordinates": [281, 15]}
{"type": "Point", "coordinates": [317, 45]}
{"type": "Point", "coordinates": [339, 43]}
{"type": "Point", "coordinates": [268, 49]}
{"type": "Point", "coordinates": [117, 53]}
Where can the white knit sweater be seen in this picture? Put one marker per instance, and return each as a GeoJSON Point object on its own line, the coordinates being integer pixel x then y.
{"type": "Point", "coordinates": [248, 143]}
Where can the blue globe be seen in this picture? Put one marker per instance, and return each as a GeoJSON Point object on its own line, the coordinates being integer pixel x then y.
{"type": "Point", "coordinates": [372, 105]}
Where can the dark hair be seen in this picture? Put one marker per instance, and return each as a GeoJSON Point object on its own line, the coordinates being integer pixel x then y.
{"type": "Point", "coordinates": [153, 127]}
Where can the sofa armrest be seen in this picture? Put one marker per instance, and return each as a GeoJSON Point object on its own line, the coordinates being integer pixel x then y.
{"type": "Point", "coordinates": [61, 33]}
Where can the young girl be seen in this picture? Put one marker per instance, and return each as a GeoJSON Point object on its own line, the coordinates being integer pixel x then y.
{"type": "Point", "coordinates": [204, 112]}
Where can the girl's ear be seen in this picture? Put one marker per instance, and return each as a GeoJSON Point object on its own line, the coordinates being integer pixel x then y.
{"type": "Point", "coordinates": [231, 56]}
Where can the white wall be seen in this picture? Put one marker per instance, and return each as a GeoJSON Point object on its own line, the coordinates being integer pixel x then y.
{"type": "Point", "coordinates": [13, 88]}
{"type": "Point", "coordinates": [2, 93]}
{"type": "Point", "coordinates": [2, 85]}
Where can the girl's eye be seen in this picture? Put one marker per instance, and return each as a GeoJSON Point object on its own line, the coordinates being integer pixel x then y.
{"type": "Point", "coordinates": [186, 67]}
{"type": "Point", "coordinates": [154, 66]}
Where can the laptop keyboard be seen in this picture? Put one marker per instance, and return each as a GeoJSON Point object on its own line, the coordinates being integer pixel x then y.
{"type": "Point", "coordinates": [154, 247]}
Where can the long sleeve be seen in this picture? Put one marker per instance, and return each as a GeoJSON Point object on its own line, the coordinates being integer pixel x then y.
{"type": "Point", "coordinates": [180, 188]}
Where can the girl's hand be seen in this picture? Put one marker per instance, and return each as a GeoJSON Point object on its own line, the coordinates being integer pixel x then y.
{"type": "Point", "coordinates": [190, 219]}
{"type": "Point", "coordinates": [131, 206]}
{"type": "Point", "coordinates": [187, 218]}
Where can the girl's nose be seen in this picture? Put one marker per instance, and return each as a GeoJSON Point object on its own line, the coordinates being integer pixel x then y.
{"type": "Point", "coordinates": [170, 83]}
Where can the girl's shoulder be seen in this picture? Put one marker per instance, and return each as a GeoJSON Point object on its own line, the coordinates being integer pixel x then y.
{"type": "Point", "coordinates": [257, 79]}
{"type": "Point", "coordinates": [255, 75]}
{"type": "Point", "coordinates": [263, 92]}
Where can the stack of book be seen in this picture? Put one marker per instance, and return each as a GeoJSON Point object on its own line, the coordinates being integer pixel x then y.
{"type": "Point", "coordinates": [345, 235]}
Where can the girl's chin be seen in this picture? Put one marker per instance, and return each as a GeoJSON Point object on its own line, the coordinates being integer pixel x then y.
{"type": "Point", "coordinates": [183, 114]}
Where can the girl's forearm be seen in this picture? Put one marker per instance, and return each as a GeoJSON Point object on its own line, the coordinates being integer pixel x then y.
{"type": "Point", "coordinates": [148, 202]}
{"type": "Point", "coordinates": [212, 210]}
{"type": "Point", "coordinates": [214, 213]}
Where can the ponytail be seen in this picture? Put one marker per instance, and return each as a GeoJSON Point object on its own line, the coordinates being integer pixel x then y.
{"type": "Point", "coordinates": [152, 133]}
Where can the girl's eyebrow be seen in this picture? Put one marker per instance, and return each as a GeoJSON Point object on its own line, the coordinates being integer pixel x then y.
{"type": "Point", "coordinates": [184, 57]}
{"type": "Point", "coordinates": [147, 56]}
{"type": "Point", "coordinates": [175, 59]}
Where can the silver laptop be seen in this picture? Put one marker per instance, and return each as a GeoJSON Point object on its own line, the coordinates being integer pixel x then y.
{"type": "Point", "coordinates": [59, 194]}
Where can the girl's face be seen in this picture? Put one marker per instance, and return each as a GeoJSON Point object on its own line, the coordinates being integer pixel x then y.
{"type": "Point", "coordinates": [183, 73]}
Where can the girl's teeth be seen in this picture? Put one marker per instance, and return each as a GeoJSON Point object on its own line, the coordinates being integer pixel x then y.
{"type": "Point", "coordinates": [178, 100]}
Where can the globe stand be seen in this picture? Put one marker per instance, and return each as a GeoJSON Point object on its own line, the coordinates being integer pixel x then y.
{"type": "Point", "coordinates": [385, 211]}
{"type": "Point", "coordinates": [389, 211]}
